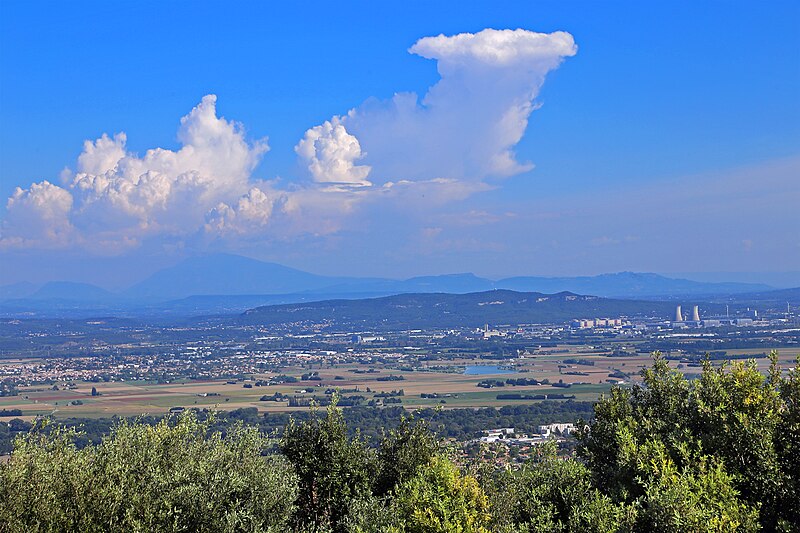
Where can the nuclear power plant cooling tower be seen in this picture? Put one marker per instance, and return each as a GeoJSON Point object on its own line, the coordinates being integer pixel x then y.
{"type": "Point", "coordinates": [678, 315]}
{"type": "Point", "coordinates": [695, 314]}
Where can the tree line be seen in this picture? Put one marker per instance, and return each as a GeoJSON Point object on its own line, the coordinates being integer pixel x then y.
{"type": "Point", "coordinates": [457, 424]}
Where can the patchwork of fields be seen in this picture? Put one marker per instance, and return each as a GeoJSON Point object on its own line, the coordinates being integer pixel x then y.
{"type": "Point", "coordinates": [588, 375]}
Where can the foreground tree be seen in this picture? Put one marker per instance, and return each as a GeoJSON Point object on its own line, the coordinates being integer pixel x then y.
{"type": "Point", "coordinates": [403, 451]}
{"type": "Point", "coordinates": [334, 471]}
{"type": "Point", "coordinates": [787, 445]}
{"type": "Point", "coordinates": [440, 499]}
{"type": "Point", "coordinates": [712, 452]}
{"type": "Point", "coordinates": [173, 476]}
{"type": "Point", "coordinates": [553, 494]}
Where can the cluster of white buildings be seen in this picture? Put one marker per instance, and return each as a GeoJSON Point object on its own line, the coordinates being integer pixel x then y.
{"type": "Point", "coordinates": [588, 323]}
{"type": "Point", "coordinates": [489, 333]}
{"type": "Point", "coordinates": [508, 436]}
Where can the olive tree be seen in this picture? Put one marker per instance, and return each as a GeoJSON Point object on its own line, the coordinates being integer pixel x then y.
{"type": "Point", "coordinates": [173, 476]}
{"type": "Point", "coordinates": [334, 471]}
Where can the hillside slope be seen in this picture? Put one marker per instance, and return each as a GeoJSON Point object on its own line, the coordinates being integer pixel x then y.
{"type": "Point", "coordinates": [410, 311]}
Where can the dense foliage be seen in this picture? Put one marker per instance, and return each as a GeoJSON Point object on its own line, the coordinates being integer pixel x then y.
{"type": "Point", "coordinates": [719, 453]}
{"type": "Point", "coordinates": [723, 448]}
{"type": "Point", "coordinates": [459, 424]}
{"type": "Point", "coordinates": [167, 477]}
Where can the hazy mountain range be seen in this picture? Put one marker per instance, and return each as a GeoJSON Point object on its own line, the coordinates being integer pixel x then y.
{"type": "Point", "coordinates": [224, 283]}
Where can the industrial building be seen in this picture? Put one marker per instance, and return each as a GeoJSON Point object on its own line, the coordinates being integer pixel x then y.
{"type": "Point", "coordinates": [682, 321]}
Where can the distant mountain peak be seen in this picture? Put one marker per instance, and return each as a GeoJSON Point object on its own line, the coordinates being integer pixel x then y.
{"type": "Point", "coordinates": [70, 290]}
{"type": "Point", "coordinates": [226, 274]}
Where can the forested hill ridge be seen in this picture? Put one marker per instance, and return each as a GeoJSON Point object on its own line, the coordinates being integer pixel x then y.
{"type": "Point", "coordinates": [438, 310]}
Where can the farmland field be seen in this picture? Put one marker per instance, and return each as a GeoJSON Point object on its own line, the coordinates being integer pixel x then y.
{"type": "Point", "coordinates": [587, 373]}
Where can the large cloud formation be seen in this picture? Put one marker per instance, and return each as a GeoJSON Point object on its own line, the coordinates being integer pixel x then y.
{"type": "Point", "coordinates": [467, 125]}
{"type": "Point", "coordinates": [115, 198]}
{"type": "Point", "coordinates": [443, 147]}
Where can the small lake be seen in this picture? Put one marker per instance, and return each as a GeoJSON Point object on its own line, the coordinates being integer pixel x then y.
{"type": "Point", "coordinates": [482, 370]}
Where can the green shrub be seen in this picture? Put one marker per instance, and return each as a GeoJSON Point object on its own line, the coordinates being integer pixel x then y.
{"type": "Point", "coordinates": [173, 476]}
{"type": "Point", "coordinates": [440, 499]}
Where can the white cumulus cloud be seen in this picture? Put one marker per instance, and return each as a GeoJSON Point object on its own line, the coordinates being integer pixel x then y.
{"type": "Point", "coordinates": [118, 198]}
{"type": "Point", "coordinates": [403, 155]}
{"type": "Point", "coordinates": [165, 190]}
{"type": "Point", "coordinates": [38, 216]}
{"type": "Point", "coordinates": [331, 153]}
{"type": "Point", "coordinates": [252, 212]}
{"type": "Point", "coordinates": [538, 51]}
{"type": "Point", "coordinates": [467, 125]}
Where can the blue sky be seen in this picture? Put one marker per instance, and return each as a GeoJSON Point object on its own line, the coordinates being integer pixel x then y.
{"type": "Point", "coordinates": [643, 138]}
